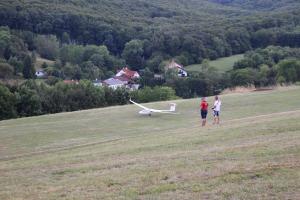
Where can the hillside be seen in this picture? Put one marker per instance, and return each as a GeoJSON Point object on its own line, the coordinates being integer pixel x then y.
{"type": "Point", "coordinates": [113, 153]}
{"type": "Point", "coordinates": [221, 64]}
{"type": "Point", "coordinates": [262, 5]}
{"type": "Point", "coordinates": [199, 28]}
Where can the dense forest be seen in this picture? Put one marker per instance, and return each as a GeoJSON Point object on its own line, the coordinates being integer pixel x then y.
{"type": "Point", "coordinates": [190, 30]}
{"type": "Point", "coordinates": [91, 39]}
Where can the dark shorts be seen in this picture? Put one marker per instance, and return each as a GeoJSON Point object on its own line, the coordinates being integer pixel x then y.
{"type": "Point", "coordinates": [216, 113]}
{"type": "Point", "coordinates": [203, 114]}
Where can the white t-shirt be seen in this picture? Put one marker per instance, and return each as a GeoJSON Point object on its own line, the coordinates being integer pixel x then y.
{"type": "Point", "coordinates": [217, 105]}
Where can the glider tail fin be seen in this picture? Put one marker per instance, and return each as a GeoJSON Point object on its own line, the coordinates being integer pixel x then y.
{"type": "Point", "coordinates": [173, 107]}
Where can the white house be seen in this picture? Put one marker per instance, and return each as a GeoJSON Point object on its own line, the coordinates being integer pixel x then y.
{"type": "Point", "coordinates": [124, 78]}
{"type": "Point", "coordinates": [114, 83]}
{"type": "Point", "coordinates": [128, 77]}
{"type": "Point", "coordinates": [40, 73]}
{"type": "Point", "coordinates": [158, 76]}
{"type": "Point", "coordinates": [133, 86]}
{"type": "Point", "coordinates": [97, 83]}
{"type": "Point", "coordinates": [173, 65]}
{"type": "Point", "coordinates": [182, 73]}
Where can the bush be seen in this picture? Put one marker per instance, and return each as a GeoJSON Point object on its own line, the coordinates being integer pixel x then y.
{"type": "Point", "coordinates": [17, 64]}
{"type": "Point", "coordinates": [6, 70]}
{"type": "Point", "coordinates": [243, 77]}
{"type": "Point", "coordinates": [28, 102]}
{"type": "Point", "coordinates": [290, 70]}
{"type": "Point", "coordinates": [7, 103]}
{"type": "Point", "coordinates": [47, 46]}
{"type": "Point", "coordinates": [28, 68]}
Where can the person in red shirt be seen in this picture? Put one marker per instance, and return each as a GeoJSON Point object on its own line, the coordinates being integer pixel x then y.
{"type": "Point", "coordinates": [203, 107]}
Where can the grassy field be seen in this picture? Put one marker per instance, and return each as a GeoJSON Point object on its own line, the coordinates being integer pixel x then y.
{"type": "Point", "coordinates": [39, 62]}
{"type": "Point", "coordinates": [113, 153]}
{"type": "Point", "coordinates": [222, 64]}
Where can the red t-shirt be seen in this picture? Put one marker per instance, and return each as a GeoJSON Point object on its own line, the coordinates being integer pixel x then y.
{"type": "Point", "coordinates": [204, 105]}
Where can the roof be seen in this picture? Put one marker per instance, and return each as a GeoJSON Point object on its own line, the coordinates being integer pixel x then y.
{"type": "Point", "coordinates": [158, 76]}
{"type": "Point", "coordinates": [127, 72]}
{"type": "Point", "coordinates": [123, 78]}
{"type": "Point", "coordinates": [174, 64]}
{"type": "Point", "coordinates": [113, 81]}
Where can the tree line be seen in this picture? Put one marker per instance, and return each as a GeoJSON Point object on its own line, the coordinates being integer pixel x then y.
{"type": "Point", "coordinates": [36, 98]}
{"type": "Point", "coordinates": [264, 67]}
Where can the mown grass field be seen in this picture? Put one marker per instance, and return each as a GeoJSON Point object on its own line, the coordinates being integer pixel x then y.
{"type": "Point", "coordinates": [40, 61]}
{"type": "Point", "coordinates": [222, 64]}
{"type": "Point", "coordinates": [113, 153]}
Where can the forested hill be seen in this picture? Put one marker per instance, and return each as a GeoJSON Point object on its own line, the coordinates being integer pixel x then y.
{"type": "Point", "coordinates": [189, 30]}
{"type": "Point", "coordinates": [259, 4]}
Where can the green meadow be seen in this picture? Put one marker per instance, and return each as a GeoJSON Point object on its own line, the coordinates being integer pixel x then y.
{"type": "Point", "coordinates": [221, 64]}
{"type": "Point", "coordinates": [113, 153]}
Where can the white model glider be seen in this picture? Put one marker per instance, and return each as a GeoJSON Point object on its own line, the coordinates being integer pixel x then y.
{"type": "Point", "coordinates": [149, 111]}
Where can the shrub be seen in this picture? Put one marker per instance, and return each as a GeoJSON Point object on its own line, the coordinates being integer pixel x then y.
{"type": "Point", "coordinates": [290, 70]}
{"type": "Point", "coordinates": [7, 103]}
{"type": "Point", "coordinates": [6, 70]}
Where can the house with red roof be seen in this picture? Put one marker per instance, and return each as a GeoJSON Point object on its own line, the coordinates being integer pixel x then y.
{"type": "Point", "coordinates": [179, 68]}
{"type": "Point", "coordinates": [124, 78]}
{"type": "Point", "coordinates": [126, 72]}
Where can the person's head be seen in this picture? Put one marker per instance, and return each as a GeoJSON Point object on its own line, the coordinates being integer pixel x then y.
{"type": "Point", "coordinates": [203, 98]}
{"type": "Point", "coordinates": [216, 98]}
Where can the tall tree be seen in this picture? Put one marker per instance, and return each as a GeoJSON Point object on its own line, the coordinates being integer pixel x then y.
{"type": "Point", "coordinates": [47, 46]}
{"type": "Point", "coordinates": [7, 103]}
{"type": "Point", "coordinates": [133, 54]}
{"type": "Point", "coordinates": [28, 68]}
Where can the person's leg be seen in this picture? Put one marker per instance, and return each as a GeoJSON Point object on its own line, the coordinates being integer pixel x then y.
{"type": "Point", "coordinates": [215, 119]}
{"type": "Point", "coordinates": [204, 118]}
{"type": "Point", "coordinates": [218, 117]}
{"type": "Point", "coordinates": [214, 122]}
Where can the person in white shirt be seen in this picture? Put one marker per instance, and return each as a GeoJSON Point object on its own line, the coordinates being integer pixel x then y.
{"type": "Point", "coordinates": [216, 110]}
